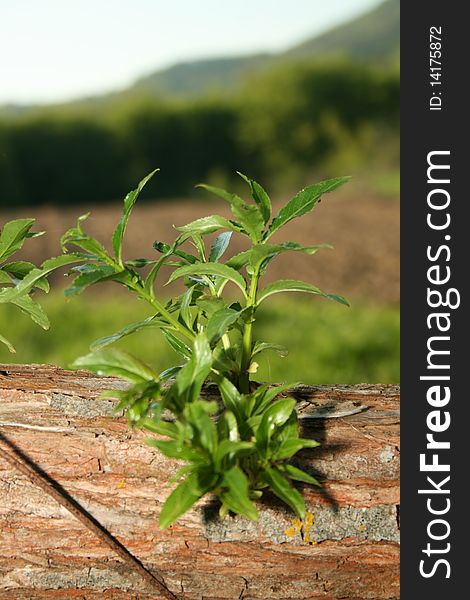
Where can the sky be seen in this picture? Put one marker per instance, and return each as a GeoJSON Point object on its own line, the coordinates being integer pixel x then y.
{"type": "Point", "coordinates": [57, 50]}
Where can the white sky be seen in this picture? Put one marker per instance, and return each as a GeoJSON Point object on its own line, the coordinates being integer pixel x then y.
{"type": "Point", "coordinates": [54, 50]}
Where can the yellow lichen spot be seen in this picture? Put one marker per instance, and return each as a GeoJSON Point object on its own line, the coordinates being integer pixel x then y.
{"type": "Point", "coordinates": [361, 527]}
{"type": "Point", "coordinates": [291, 532]}
{"type": "Point", "coordinates": [295, 529]}
{"type": "Point", "coordinates": [307, 526]}
{"type": "Point", "coordinates": [309, 518]}
{"type": "Point", "coordinates": [121, 484]}
{"type": "Point", "coordinates": [302, 527]}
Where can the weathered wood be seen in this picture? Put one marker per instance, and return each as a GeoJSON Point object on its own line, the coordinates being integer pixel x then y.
{"type": "Point", "coordinates": [56, 418]}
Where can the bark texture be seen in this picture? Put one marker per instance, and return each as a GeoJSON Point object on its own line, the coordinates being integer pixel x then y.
{"type": "Point", "coordinates": [55, 417]}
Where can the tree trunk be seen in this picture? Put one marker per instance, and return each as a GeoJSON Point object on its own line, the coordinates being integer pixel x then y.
{"type": "Point", "coordinates": [56, 419]}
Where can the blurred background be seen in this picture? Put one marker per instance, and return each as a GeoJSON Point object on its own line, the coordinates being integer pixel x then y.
{"type": "Point", "coordinates": [97, 94]}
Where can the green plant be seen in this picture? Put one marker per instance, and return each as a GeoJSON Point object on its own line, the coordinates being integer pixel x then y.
{"type": "Point", "coordinates": [240, 446]}
{"type": "Point", "coordinates": [20, 279]}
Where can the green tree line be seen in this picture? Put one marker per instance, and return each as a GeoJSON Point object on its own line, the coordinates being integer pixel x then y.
{"type": "Point", "coordinates": [282, 126]}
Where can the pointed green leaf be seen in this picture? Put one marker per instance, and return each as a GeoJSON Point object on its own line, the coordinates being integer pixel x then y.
{"type": "Point", "coordinates": [220, 246]}
{"type": "Point", "coordinates": [262, 346]}
{"type": "Point", "coordinates": [219, 323]}
{"type": "Point", "coordinates": [217, 269]}
{"type": "Point", "coordinates": [304, 201]}
{"type": "Point", "coordinates": [8, 344]}
{"type": "Point", "coordinates": [93, 274]}
{"type": "Point", "coordinates": [190, 379]}
{"type": "Point", "coordinates": [203, 425]}
{"type": "Point", "coordinates": [125, 331]}
{"type": "Point", "coordinates": [297, 474]}
{"type": "Point", "coordinates": [291, 446]}
{"type": "Point", "coordinates": [117, 363]}
{"type": "Point", "coordinates": [274, 416]}
{"type": "Point", "coordinates": [33, 309]}
{"type": "Point", "coordinates": [249, 215]}
{"type": "Point", "coordinates": [239, 260]}
{"type": "Point", "coordinates": [36, 275]}
{"type": "Point", "coordinates": [19, 269]}
{"type": "Point", "coordinates": [292, 285]}
{"type": "Point", "coordinates": [77, 237]}
{"type": "Point", "coordinates": [285, 491]}
{"type": "Point", "coordinates": [13, 235]}
{"type": "Point", "coordinates": [259, 196]}
{"type": "Point", "coordinates": [230, 396]}
{"type": "Point", "coordinates": [129, 202]}
{"type": "Point", "coordinates": [207, 225]}
{"type": "Point", "coordinates": [182, 499]}
{"type": "Point", "coordinates": [178, 346]}
{"type": "Point", "coordinates": [236, 497]}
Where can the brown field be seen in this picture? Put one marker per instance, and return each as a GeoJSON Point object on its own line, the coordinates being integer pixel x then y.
{"type": "Point", "coordinates": [364, 229]}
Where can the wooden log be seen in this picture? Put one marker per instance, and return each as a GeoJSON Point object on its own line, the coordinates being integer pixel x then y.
{"type": "Point", "coordinates": [56, 418]}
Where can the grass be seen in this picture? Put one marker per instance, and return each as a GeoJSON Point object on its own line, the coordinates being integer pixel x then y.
{"type": "Point", "coordinates": [327, 343]}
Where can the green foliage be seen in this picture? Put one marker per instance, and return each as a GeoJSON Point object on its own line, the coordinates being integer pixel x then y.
{"type": "Point", "coordinates": [21, 279]}
{"type": "Point", "coordinates": [338, 115]}
{"type": "Point", "coordinates": [344, 346]}
{"type": "Point", "coordinates": [236, 448]}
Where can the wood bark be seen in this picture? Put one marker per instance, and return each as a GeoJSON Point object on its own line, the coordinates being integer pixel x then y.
{"type": "Point", "coordinates": [57, 419]}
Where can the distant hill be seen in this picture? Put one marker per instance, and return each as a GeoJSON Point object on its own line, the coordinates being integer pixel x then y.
{"type": "Point", "coordinates": [202, 76]}
{"type": "Point", "coordinates": [371, 37]}
{"type": "Point", "coordinates": [374, 36]}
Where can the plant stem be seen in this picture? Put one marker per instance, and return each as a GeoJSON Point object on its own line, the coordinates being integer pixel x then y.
{"type": "Point", "coordinates": [188, 334]}
{"type": "Point", "coordinates": [244, 380]}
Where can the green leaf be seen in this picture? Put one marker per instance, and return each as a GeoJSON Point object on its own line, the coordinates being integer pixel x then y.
{"type": "Point", "coordinates": [19, 269]}
{"type": "Point", "coordinates": [129, 202]}
{"type": "Point", "coordinates": [174, 449]}
{"type": "Point", "coordinates": [206, 433]}
{"type": "Point", "coordinates": [161, 427]}
{"type": "Point", "coordinates": [77, 237]}
{"type": "Point", "coordinates": [274, 416]}
{"type": "Point", "coordinates": [236, 497]}
{"type": "Point", "coordinates": [262, 346]}
{"type": "Point", "coordinates": [185, 312]}
{"type": "Point", "coordinates": [125, 331]}
{"type": "Point", "coordinates": [259, 196]}
{"type": "Point", "coordinates": [5, 277]}
{"type": "Point", "coordinates": [220, 246]}
{"type": "Point", "coordinates": [8, 344]}
{"type": "Point", "coordinates": [219, 323]}
{"type": "Point", "coordinates": [183, 497]}
{"type": "Point", "coordinates": [230, 396]}
{"type": "Point", "coordinates": [232, 447]}
{"type": "Point", "coordinates": [33, 309]}
{"type": "Point", "coordinates": [117, 363]}
{"type": "Point", "coordinates": [249, 215]}
{"type": "Point", "coordinates": [191, 377]}
{"type": "Point", "coordinates": [210, 269]}
{"type": "Point", "coordinates": [285, 491]}
{"type": "Point", "coordinates": [93, 274]}
{"type": "Point", "coordinates": [35, 275]}
{"type": "Point", "coordinates": [264, 395]}
{"type": "Point", "coordinates": [291, 446]}
{"type": "Point", "coordinates": [13, 235]}
{"type": "Point", "coordinates": [239, 260]}
{"type": "Point", "coordinates": [292, 285]}
{"type": "Point", "coordinates": [303, 202]}
{"type": "Point", "coordinates": [178, 346]}
{"type": "Point", "coordinates": [172, 250]}
{"type": "Point", "coordinates": [207, 225]}
{"type": "Point", "coordinates": [297, 474]}
{"type": "Point", "coordinates": [210, 304]}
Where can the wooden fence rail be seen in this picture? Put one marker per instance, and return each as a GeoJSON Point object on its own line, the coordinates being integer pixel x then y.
{"type": "Point", "coordinates": [346, 549]}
